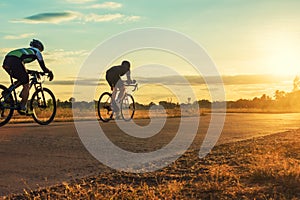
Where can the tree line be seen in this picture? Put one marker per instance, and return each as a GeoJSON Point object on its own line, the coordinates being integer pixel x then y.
{"type": "Point", "coordinates": [281, 101]}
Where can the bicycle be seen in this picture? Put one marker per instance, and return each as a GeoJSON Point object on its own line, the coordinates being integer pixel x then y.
{"type": "Point", "coordinates": [42, 102]}
{"type": "Point", "coordinates": [127, 105]}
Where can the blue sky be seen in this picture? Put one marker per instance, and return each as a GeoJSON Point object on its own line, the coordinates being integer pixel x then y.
{"type": "Point", "coordinates": [242, 37]}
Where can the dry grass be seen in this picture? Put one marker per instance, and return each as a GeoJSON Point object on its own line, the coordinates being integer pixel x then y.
{"type": "Point", "coordinates": [66, 114]}
{"type": "Point", "coordinates": [260, 168]}
{"type": "Point", "coordinates": [260, 110]}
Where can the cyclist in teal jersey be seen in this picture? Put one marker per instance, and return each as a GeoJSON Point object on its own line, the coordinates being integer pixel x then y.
{"type": "Point", "coordinates": [14, 65]}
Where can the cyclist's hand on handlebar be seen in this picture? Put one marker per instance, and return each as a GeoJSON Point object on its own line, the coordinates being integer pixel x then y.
{"type": "Point", "coordinates": [131, 82]}
{"type": "Point", "coordinates": [50, 75]}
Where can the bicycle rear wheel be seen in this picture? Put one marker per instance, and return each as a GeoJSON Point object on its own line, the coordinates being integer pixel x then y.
{"type": "Point", "coordinates": [127, 107]}
{"type": "Point", "coordinates": [105, 112]}
{"type": "Point", "coordinates": [6, 105]}
{"type": "Point", "coordinates": [43, 105]}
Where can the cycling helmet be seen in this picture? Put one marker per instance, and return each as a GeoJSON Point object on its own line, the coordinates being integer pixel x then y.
{"type": "Point", "coordinates": [37, 44]}
{"type": "Point", "coordinates": [126, 63]}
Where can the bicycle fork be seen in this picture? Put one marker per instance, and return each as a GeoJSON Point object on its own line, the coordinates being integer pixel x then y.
{"type": "Point", "coordinates": [40, 98]}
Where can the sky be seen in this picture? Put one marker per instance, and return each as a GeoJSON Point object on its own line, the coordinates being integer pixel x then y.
{"type": "Point", "coordinates": [259, 37]}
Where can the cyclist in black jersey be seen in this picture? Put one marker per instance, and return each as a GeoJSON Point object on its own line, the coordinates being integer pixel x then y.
{"type": "Point", "coordinates": [14, 64]}
{"type": "Point", "coordinates": [113, 77]}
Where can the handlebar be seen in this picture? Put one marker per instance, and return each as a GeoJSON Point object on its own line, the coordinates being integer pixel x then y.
{"type": "Point", "coordinates": [134, 85]}
{"type": "Point", "coordinates": [33, 72]}
{"type": "Point", "coordinates": [37, 74]}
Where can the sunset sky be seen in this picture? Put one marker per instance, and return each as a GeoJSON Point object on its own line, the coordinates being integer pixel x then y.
{"type": "Point", "coordinates": [259, 37]}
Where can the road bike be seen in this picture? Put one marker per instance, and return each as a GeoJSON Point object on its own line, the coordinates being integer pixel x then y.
{"type": "Point", "coordinates": [42, 102]}
{"type": "Point", "coordinates": [126, 105]}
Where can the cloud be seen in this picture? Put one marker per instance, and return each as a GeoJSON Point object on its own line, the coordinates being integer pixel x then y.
{"type": "Point", "coordinates": [79, 81]}
{"type": "Point", "coordinates": [60, 53]}
{"type": "Point", "coordinates": [4, 51]}
{"type": "Point", "coordinates": [62, 57]}
{"type": "Point", "coordinates": [51, 17]}
{"type": "Point", "coordinates": [106, 5]}
{"type": "Point", "coordinates": [60, 17]}
{"type": "Point", "coordinates": [227, 80]}
{"type": "Point", "coordinates": [102, 18]}
{"type": "Point", "coordinates": [130, 19]}
{"type": "Point", "coordinates": [16, 37]}
{"type": "Point", "coordinates": [80, 1]}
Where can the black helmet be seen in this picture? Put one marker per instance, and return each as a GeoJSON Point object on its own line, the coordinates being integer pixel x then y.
{"type": "Point", "coordinates": [126, 63]}
{"type": "Point", "coordinates": [37, 44]}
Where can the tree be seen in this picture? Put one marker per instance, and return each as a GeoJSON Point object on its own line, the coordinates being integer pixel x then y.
{"type": "Point", "coordinates": [296, 83]}
{"type": "Point", "coordinates": [279, 95]}
{"type": "Point", "coordinates": [72, 100]}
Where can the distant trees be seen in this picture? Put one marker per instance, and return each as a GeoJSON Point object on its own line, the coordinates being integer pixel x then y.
{"type": "Point", "coordinates": [296, 84]}
{"type": "Point", "coordinates": [263, 102]}
{"type": "Point", "coordinates": [63, 104]}
{"type": "Point", "coordinates": [281, 101]}
{"type": "Point", "coordinates": [76, 104]}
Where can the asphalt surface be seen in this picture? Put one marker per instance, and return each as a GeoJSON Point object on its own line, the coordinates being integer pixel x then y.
{"type": "Point", "coordinates": [34, 156]}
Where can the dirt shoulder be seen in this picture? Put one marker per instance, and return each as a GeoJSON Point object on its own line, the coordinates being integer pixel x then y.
{"type": "Point", "coordinates": [260, 168]}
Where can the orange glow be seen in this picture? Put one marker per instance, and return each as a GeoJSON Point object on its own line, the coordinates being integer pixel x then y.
{"type": "Point", "coordinates": [282, 54]}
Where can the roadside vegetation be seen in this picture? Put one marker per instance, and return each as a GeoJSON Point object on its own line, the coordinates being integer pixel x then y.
{"type": "Point", "coordinates": [262, 168]}
{"type": "Point", "coordinates": [283, 103]}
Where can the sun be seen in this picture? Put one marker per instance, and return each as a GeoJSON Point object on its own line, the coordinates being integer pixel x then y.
{"type": "Point", "coordinates": [283, 54]}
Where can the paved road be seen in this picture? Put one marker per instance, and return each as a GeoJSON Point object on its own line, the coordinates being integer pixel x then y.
{"type": "Point", "coordinates": [33, 155]}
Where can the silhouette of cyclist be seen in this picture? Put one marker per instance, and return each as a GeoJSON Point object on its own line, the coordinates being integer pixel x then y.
{"type": "Point", "coordinates": [14, 64]}
{"type": "Point", "coordinates": [113, 77]}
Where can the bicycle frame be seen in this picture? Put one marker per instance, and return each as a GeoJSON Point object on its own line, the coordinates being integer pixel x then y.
{"type": "Point", "coordinates": [116, 97]}
{"type": "Point", "coordinates": [33, 82]}
{"type": "Point", "coordinates": [41, 99]}
{"type": "Point", "coordinates": [127, 85]}
{"type": "Point", "coordinates": [37, 85]}
{"type": "Point", "coordinates": [107, 106]}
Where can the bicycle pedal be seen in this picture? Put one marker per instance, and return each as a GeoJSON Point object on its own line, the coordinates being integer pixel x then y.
{"type": "Point", "coordinates": [25, 113]}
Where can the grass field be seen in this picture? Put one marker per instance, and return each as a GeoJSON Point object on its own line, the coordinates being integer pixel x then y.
{"type": "Point", "coordinates": [261, 168]}
{"type": "Point", "coordinates": [66, 114]}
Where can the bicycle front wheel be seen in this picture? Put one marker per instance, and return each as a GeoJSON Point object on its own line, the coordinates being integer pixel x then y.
{"type": "Point", "coordinates": [6, 105]}
{"type": "Point", "coordinates": [127, 107]}
{"type": "Point", "coordinates": [105, 112]}
{"type": "Point", "coordinates": [43, 105]}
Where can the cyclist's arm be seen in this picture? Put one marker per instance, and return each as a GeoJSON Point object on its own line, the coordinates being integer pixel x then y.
{"type": "Point", "coordinates": [43, 66]}
{"type": "Point", "coordinates": [128, 77]}
{"type": "Point", "coordinates": [41, 62]}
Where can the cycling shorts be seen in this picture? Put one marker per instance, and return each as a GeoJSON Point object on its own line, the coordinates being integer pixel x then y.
{"type": "Point", "coordinates": [114, 80]}
{"type": "Point", "coordinates": [14, 67]}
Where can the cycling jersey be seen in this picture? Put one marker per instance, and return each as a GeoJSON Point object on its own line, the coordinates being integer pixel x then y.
{"type": "Point", "coordinates": [14, 62]}
{"type": "Point", "coordinates": [27, 55]}
{"type": "Point", "coordinates": [113, 75]}
{"type": "Point", "coordinates": [118, 70]}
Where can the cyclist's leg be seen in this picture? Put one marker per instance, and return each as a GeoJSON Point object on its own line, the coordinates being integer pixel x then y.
{"type": "Point", "coordinates": [115, 105]}
{"type": "Point", "coordinates": [112, 80]}
{"type": "Point", "coordinates": [24, 95]}
{"type": "Point", "coordinates": [18, 72]}
{"type": "Point", "coordinates": [121, 87]}
{"type": "Point", "coordinates": [8, 65]}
